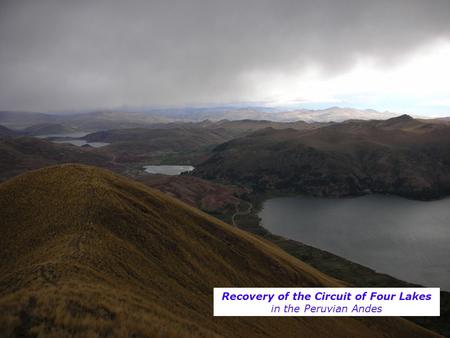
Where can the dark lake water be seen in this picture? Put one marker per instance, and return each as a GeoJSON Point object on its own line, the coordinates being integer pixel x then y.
{"type": "Point", "coordinates": [167, 169]}
{"type": "Point", "coordinates": [406, 239]}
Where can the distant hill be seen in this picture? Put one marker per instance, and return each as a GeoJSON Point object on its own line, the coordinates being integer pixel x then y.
{"type": "Point", "coordinates": [142, 144]}
{"type": "Point", "coordinates": [206, 131]}
{"type": "Point", "coordinates": [333, 114]}
{"type": "Point", "coordinates": [4, 131]}
{"type": "Point", "coordinates": [18, 155]}
{"type": "Point", "coordinates": [278, 114]}
{"type": "Point", "coordinates": [185, 142]}
{"type": "Point", "coordinates": [91, 121]}
{"type": "Point", "coordinates": [203, 194]}
{"type": "Point", "coordinates": [112, 119]}
{"type": "Point", "coordinates": [24, 119]}
{"type": "Point", "coordinates": [103, 120]}
{"type": "Point", "coordinates": [243, 127]}
{"type": "Point", "coordinates": [138, 144]}
{"type": "Point", "coordinates": [48, 129]}
{"type": "Point", "coordinates": [161, 139]}
{"type": "Point", "coordinates": [84, 252]}
{"type": "Point", "coordinates": [400, 156]}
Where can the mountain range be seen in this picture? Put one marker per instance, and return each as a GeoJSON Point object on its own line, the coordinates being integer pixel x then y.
{"type": "Point", "coordinates": [402, 156]}
{"type": "Point", "coordinates": [113, 119]}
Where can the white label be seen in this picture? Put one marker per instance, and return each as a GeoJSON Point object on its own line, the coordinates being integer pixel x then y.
{"type": "Point", "coordinates": [314, 302]}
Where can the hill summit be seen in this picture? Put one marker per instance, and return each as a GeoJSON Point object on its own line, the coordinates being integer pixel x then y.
{"type": "Point", "coordinates": [85, 252]}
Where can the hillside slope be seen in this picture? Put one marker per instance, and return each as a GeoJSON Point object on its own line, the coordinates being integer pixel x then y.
{"type": "Point", "coordinates": [48, 129]}
{"type": "Point", "coordinates": [20, 154]}
{"type": "Point", "coordinates": [205, 195]}
{"type": "Point", "coordinates": [140, 144]}
{"type": "Point", "coordinates": [88, 253]}
{"type": "Point", "coordinates": [6, 132]}
{"type": "Point", "coordinates": [401, 156]}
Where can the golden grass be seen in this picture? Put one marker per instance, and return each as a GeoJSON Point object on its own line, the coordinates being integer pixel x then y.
{"type": "Point", "coordinates": [88, 253]}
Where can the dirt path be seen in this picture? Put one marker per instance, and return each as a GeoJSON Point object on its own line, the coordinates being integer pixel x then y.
{"type": "Point", "coordinates": [240, 213]}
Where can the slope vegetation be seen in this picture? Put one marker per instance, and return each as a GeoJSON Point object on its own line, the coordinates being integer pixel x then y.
{"type": "Point", "coordinates": [141, 144]}
{"type": "Point", "coordinates": [206, 195]}
{"type": "Point", "coordinates": [399, 156]}
{"type": "Point", "coordinates": [20, 154]}
{"type": "Point", "coordinates": [6, 132]}
{"type": "Point", "coordinates": [48, 129]}
{"type": "Point", "coordinates": [84, 252]}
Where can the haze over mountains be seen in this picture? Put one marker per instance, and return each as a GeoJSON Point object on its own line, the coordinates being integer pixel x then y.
{"type": "Point", "coordinates": [98, 120]}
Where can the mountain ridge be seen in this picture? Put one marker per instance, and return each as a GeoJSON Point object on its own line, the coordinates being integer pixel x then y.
{"type": "Point", "coordinates": [113, 119]}
{"type": "Point", "coordinates": [401, 156]}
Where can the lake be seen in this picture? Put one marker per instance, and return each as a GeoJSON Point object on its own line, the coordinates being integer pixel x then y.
{"type": "Point", "coordinates": [72, 138]}
{"type": "Point", "coordinates": [167, 169]}
{"type": "Point", "coordinates": [406, 239]}
{"type": "Point", "coordinates": [80, 143]}
{"type": "Point", "coordinates": [73, 135]}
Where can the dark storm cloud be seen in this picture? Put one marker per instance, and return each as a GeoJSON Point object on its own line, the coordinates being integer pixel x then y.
{"type": "Point", "coordinates": [82, 54]}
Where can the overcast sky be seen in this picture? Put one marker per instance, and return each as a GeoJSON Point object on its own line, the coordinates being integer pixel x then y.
{"type": "Point", "coordinates": [75, 55]}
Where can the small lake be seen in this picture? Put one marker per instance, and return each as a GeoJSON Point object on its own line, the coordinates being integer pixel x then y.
{"type": "Point", "coordinates": [167, 169]}
{"type": "Point", "coordinates": [74, 135]}
{"type": "Point", "coordinates": [80, 143]}
{"type": "Point", "coordinates": [72, 138]}
{"type": "Point", "coordinates": [406, 239]}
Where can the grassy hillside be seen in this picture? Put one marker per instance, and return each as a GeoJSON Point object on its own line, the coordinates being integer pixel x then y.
{"type": "Point", "coordinates": [399, 156]}
{"type": "Point", "coordinates": [88, 253]}
{"type": "Point", "coordinates": [6, 132]}
{"type": "Point", "coordinates": [18, 155]}
{"type": "Point", "coordinates": [205, 195]}
{"type": "Point", "coordinates": [242, 127]}
{"type": "Point", "coordinates": [48, 129]}
{"type": "Point", "coordinates": [195, 134]}
{"type": "Point", "coordinates": [142, 144]}
{"type": "Point", "coordinates": [97, 120]}
{"type": "Point", "coordinates": [178, 142]}
{"type": "Point", "coordinates": [24, 119]}
{"type": "Point", "coordinates": [161, 139]}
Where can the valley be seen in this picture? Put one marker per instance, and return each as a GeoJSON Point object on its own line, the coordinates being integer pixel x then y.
{"type": "Point", "coordinates": [237, 165]}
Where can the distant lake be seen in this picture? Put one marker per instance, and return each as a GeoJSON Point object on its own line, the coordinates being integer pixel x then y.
{"type": "Point", "coordinates": [406, 239]}
{"type": "Point", "coordinates": [72, 138]}
{"type": "Point", "coordinates": [80, 143]}
{"type": "Point", "coordinates": [74, 135]}
{"type": "Point", "coordinates": [167, 169]}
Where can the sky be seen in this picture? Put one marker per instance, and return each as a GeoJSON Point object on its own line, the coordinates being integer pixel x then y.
{"type": "Point", "coordinates": [61, 55]}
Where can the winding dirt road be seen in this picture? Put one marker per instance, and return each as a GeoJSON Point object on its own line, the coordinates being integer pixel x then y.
{"type": "Point", "coordinates": [241, 213]}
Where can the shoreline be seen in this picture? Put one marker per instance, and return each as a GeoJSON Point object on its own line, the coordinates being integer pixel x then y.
{"type": "Point", "coordinates": [338, 267]}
